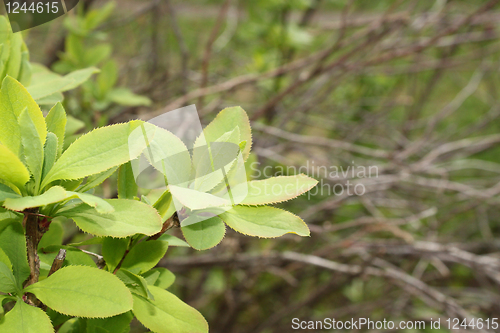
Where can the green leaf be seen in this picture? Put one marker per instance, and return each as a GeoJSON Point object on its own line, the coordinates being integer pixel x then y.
{"type": "Point", "coordinates": [7, 192]}
{"type": "Point", "coordinates": [74, 325]}
{"type": "Point", "coordinates": [173, 241]}
{"type": "Point", "coordinates": [167, 154]}
{"type": "Point", "coordinates": [97, 16]}
{"type": "Point", "coordinates": [49, 153]}
{"type": "Point", "coordinates": [2, 299]}
{"type": "Point", "coordinates": [208, 160]}
{"type": "Point", "coordinates": [107, 78]}
{"type": "Point", "coordinates": [196, 200]}
{"type": "Point", "coordinates": [13, 243]}
{"type": "Point", "coordinates": [160, 277]}
{"type": "Point", "coordinates": [5, 259]}
{"type": "Point", "coordinates": [7, 279]}
{"type": "Point", "coordinates": [144, 256]}
{"type": "Point", "coordinates": [12, 169]}
{"type": "Point", "coordinates": [205, 234]}
{"type": "Point", "coordinates": [165, 205]}
{"type": "Point", "coordinates": [53, 195]}
{"type": "Point", "coordinates": [113, 250]}
{"type": "Point", "coordinates": [56, 123]}
{"type": "Point", "coordinates": [264, 221]}
{"type": "Point", "coordinates": [95, 55]}
{"type": "Point", "coordinates": [15, 98]}
{"type": "Point", "coordinates": [96, 180]}
{"type": "Point", "coordinates": [135, 283]}
{"type": "Point", "coordinates": [7, 216]}
{"type": "Point", "coordinates": [10, 134]}
{"type": "Point", "coordinates": [124, 96]}
{"type": "Point", "coordinates": [78, 77]}
{"type": "Point", "coordinates": [32, 146]}
{"type": "Point", "coordinates": [127, 188]}
{"type": "Point", "coordinates": [24, 318]}
{"type": "Point", "coordinates": [226, 121]}
{"type": "Point", "coordinates": [130, 217]}
{"type": "Point", "coordinates": [116, 324]}
{"type": "Point", "coordinates": [55, 83]}
{"type": "Point", "coordinates": [57, 318]}
{"type": "Point", "coordinates": [96, 152]}
{"type": "Point", "coordinates": [84, 292]}
{"type": "Point", "coordinates": [25, 70]}
{"type": "Point", "coordinates": [69, 185]}
{"type": "Point", "coordinates": [100, 205]}
{"type": "Point", "coordinates": [168, 314]}
{"type": "Point", "coordinates": [14, 63]}
{"type": "Point", "coordinates": [51, 99]}
{"type": "Point", "coordinates": [276, 189]}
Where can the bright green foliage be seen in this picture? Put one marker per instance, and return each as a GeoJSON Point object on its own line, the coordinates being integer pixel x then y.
{"type": "Point", "coordinates": [44, 86]}
{"type": "Point", "coordinates": [86, 47]}
{"type": "Point", "coordinates": [264, 221]}
{"type": "Point", "coordinates": [115, 324]}
{"type": "Point", "coordinates": [93, 153]}
{"type": "Point", "coordinates": [24, 318]}
{"type": "Point", "coordinates": [205, 234]}
{"type": "Point", "coordinates": [127, 188]}
{"type": "Point", "coordinates": [96, 180]}
{"type": "Point", "coordinates": [53, 195]}
{"type": "Point", "coordinates": [14, 55]}
{"type": "Point", "coordinates": [225, 122]}
{"type": "Point", "coordinates": [135, 283]}
{"type": "Point", "coordinates": [100, 205]}
{"type": "Point", "coordinates": [12, 170]}
{"type": "Point", "coordinates": [160, 277]}
{"type": "Point", "coordinates": [277, 189]}
{"type": "Point", "coordinates": [113, 250]}
{"type": "Point", "coordinates": [50, 151]}
{"type": "Point", "coordinates": [166, 313]}
{"type": "Point", "coordinates": [7, 192]}
{"type": "Point", "coordinates": [196, 200]}
{"type": "Point", "coordinates": [13, 244]}
{"type": "Point", "coordinates": [203, 196]}
{"type": "Point", "coordinates": [7, 279]}
{"type": "Point", "coordinates": [165, 205]}
{"type": "Point", "coordinates": [145, 256]}
{"type": "Point", "coordinates": [47, 84]}
{"type": "Point", "coordinates": [45, 180]}
{"type": "Point", "coordinates": [84, 292]}
{"type": "Point", "coordinates": [5, 259]}
{"type": "Point", "coordinates": [128, 218]}
{"type": "Point", "coordinates": [173, 241]}
{"type": "Point", "coordinates": [56, 123]}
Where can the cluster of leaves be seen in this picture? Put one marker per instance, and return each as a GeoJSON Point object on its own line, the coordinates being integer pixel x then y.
{"type": "Point", "coordinates": [41, 181]}
{"type": "Point", "coordinates": [85, 46]}
{"type": "Point", "coordinates": [45, 86]}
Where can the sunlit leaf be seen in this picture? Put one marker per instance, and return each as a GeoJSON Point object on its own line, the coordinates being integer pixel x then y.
{"type": "Point", "coordinates": [264, 221]}
{"type": "Point", "coordinates": [129, 217]}
{"type": "Point", "coordinates": [84, 292]}
{"type": "Point", "coordinates": [24, 318]}
{"type": "Point", "coordinates": [167, 313]}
